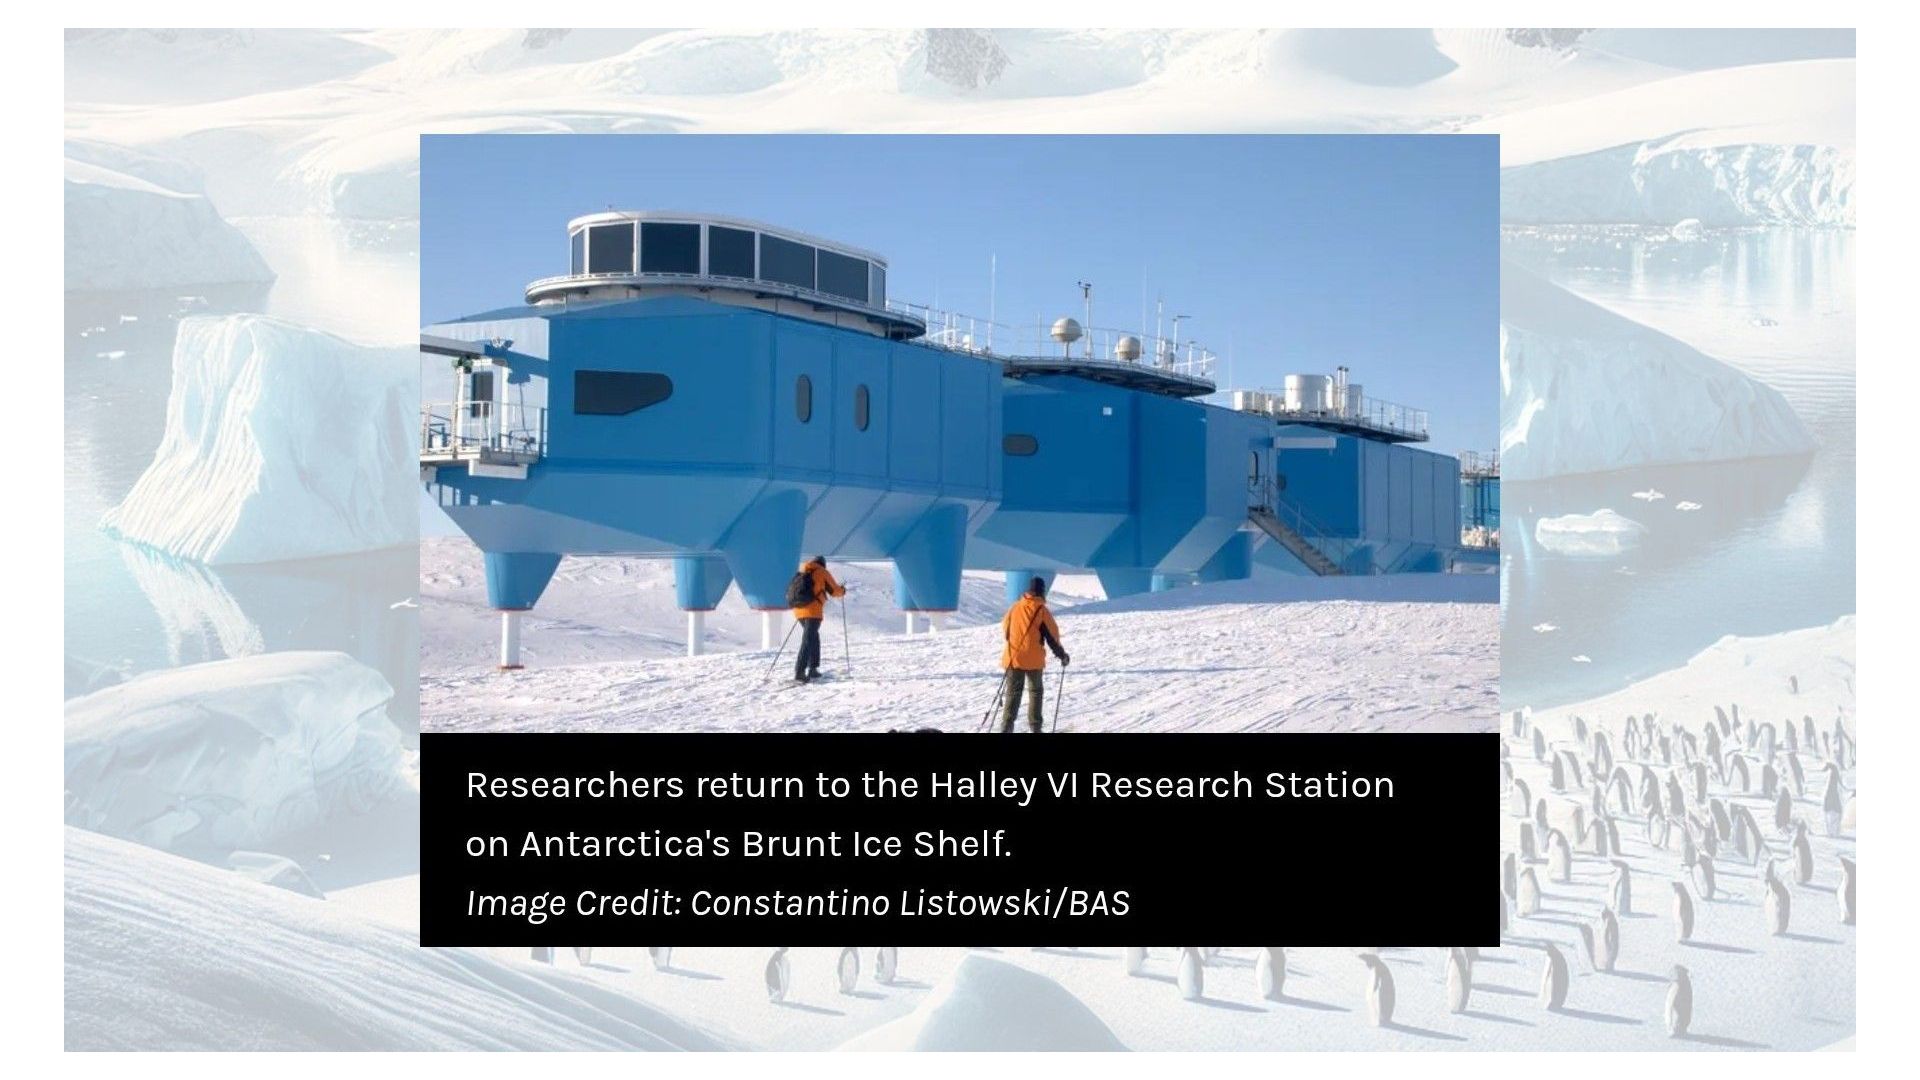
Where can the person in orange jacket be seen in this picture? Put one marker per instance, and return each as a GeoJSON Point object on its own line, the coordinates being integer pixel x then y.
{"type": "Point", "coordinates": [806, 666]}
{"type": "Point", "coordinates": [1029, 630]}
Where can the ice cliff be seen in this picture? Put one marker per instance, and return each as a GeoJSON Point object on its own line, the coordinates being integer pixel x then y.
{"type": "Point", "coordinates": [281, 443]}
{"type": "Point", "coordinates": [126, 232]}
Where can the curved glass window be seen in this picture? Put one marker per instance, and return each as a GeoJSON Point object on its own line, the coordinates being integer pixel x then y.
{"type": "Point", "coordinates": [786, 262]}
{"type": "Point", "coordinates": [617, 393]}
{"type": "Point", "coordinates": [729, 252]}
{"type": "Point", "coordinates": [669, 248]}
{"type": "Point", "coordinates": [610, 249]}
{"type": "Point", "coordinates": [803, 398]}
{"type": "Point", "coordinates": [1020, 445]}
{"type": "Point", "coordinates": [843, 275]}
{"type": "Point", "coordinates": [579, 263]}
{"type": "Point", "coordinates": [862, 407]}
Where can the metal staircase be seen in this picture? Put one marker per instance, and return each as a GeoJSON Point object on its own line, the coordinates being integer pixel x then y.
{"type": "Point", "coordinates": [1318, 549]}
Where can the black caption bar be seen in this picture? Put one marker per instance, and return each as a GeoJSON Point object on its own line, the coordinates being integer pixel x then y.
{"type": "Point", "coordinates": [940, 839]}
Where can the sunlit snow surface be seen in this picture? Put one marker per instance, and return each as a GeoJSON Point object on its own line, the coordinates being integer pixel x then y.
{"type": "Point", "coordinates": [302, 147]}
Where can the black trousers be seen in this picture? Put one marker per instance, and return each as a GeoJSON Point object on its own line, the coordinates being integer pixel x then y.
{"type": "Point", "coordinates": [808, 662]}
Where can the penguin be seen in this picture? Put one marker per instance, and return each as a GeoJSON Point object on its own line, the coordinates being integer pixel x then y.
{"type": "Point", "coordinates": [886, 965]}
{"type": "Point", "coordinates": [1620, 889]}
{"type": "Point", "coordinates": [1527, 899]}
{"type": "Point", "coordinates": [1522, 801]}
{"type": "Point", "coordinates": [1579, 730]}
{"type": "Point", "coordinates": [583, 957]}
{"type": "Point", "coordinates": [1509, 875]}
{"type": "Point", "coordinates": [1622, 787]}
{"type": "Point", "coordinates": [1704, 877]}
{"type": "Point", "coordinates": [1602, 838]}
{"type": "Point", "coordinates": [1527, 852]}
{"type": "Point", "coordinates": [1793, 687]}
{"type": "Point", "coordinates": [543, 954]}
{"type": "Point", "coordinates": [1208, 955]}
{"type": "Point", "coordinates": [1682, 912]}
{"type": "Point", "coordinates": [1807, 736]}
{"type": "Point", "coordinates": [1559, 857]}
{"type": "Point", "coordinates": [1270, 971]}
{"type": "Point", "coordinates": [1676, 799]}
{"type": "Point", "coordinates": [1553, 978]}
{"type": "Point", "coordinates": [1380, 986]}
{"type": "Point", "coordinates": [779, 975]}
{"type": "Point", "coordinates": [1769, 781]}
{"type": "Point", "coordinates": [1613, 834]}
{"type": "Point", "coordinates": [1796, 775]}
{"type": "Point", "coordinates": [661, 955]}
{"type": "Point", "coordinates": [1578, 822]}
{"type": "Point", "coordinates": [1844, 893]}
{"type": "Point", "coordinates": [1589, 945]}
{"type": "Point", "coordinates": [1689, 853]}
{"type": "Point", "coordinates": [1720, 714]}
{"type": "Point", "coordinates": [1698, 774]}
{"type": "Point", "coordinates": [1737, 767]}
{"type": "Point", "coordinates": [1134, 960]}
{"type": "Point", "coordinates": [1519, 726]}
{"type": "Point", "coordinates": [1832, 808]}
{"type": "Point", "coordinates": [1802, 855]}
{"type": "Point", "coordinates": [1679, 1001]}
{"type": "Point", "coordinates": [1656, 830]}
{"type": "Point", "coordinates": [847, 971]}
{"type": "Point", "coordinates": [1712, 742]}
{"type": "Point", "coordinates": [1607, 949]}
{"type": "Point", "coordinates": [1539, 746]}
{"type": "Point", "coordinates": [1790, 737]}
{"type": "Point", "coordinates": [1459, 980]}
{"type": "Point", "coordinates": [1540, 823]}
{"type": "Point", "coordinates": [1778, 904]}
{"type": "Point", "coordinates": [1722, 821]}
{"type": "Point", "coordinates": [1767, 741]}
{"type": "Point", "coordinates": [1782, 812]}
{"type": "Point", "coordinates": [1192, 978]}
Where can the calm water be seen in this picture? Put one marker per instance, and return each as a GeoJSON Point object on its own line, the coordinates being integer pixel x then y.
{"type": "Point", "coordinates": [130, 609]}
{"type": "Point", "coordinates": [1772, 546]}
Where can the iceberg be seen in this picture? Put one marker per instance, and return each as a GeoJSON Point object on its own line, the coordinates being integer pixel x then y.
{"type": "Point", "coordinates": [233, 754]}
{"type": "Point", "coordinates": [163, 953]}
{"type": "Point", "coordinates": [1601, 533]}
{"type": "Point", "coordinates": [990, 1004]}
{"type": "Point", "coordinates": [281, 442]}
{"type": "Point", "coordinates": [1586, 390]}
{"type": "Point", "coordinates": [125, 232]}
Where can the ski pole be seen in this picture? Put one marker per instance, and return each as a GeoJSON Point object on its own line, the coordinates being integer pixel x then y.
{"type": "Point", "coordinates": [1061, 701]}
{"type": "Point", "coordinates": [997, 695]}
{"type": "Point", "coordinates": [846, 651]}
{"type": "Point", "coordinates": [778, 651]}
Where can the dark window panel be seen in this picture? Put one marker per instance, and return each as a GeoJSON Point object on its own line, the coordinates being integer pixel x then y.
{"type": "Point", "coordinates": [669, 248]}
{"type": "Point", "coordinates": [729, 252]}
{"type": "Point", "coordinates": [803, 398]}
{"type": "Point", "coordinates": [617, 393]}
{"type": "Point", "coordinates": [877, 285]}
{"type": "Point", "coordinates": [610, 249]}
{"type": "Point", "coordinates": [1020, 445]}
{"type": "Point", "coordinates": [579, 263]}
{"type": "Point", "coordinates": [785, 262]}
{"type": "Point", "coordinates": [862, 407]}
{"type": "Point", "coordinates": [844, 276]}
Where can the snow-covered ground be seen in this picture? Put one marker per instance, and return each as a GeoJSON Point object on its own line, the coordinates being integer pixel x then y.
{"type": "Point", "coordinates": [1417, 652]}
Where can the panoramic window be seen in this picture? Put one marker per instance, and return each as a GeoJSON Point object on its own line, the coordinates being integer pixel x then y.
{"type": "Point", "coordinates": [729, 252]}
{"type": "Point", "coordinates": [861, 407]}
{"type": "Point", "coordinates": [669, 248]}
{"type": "Point", "coordinates": [785, 262]}
{"type": "Point", "coordinates": [1020, 445]}
{"type": "Point", "coordinates": [877, 285]}
{"type": "Point", "coordinates": [579, 263]}
{"type": "Point", "coordinates": [803, 398]}
{"type": "Point", "coordinates": [610, 249]}
{"type": "Point", "coordinates": [843, 275]}
{"type": "Point", "coordinates": [617, 393]}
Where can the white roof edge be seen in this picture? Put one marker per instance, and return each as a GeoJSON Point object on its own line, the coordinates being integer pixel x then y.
{"type": "Point", "coordinates": [607, 216]}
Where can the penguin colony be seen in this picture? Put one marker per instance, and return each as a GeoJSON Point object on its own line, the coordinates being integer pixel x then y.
{"type": "Point", "coordinates": [1738, 819]}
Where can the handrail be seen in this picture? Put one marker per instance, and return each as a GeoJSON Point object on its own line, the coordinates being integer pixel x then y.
{"type": "Point", "coordinates": [1334, 548]}
{"type": "Point", "coordinates": [1096, 344]}
{"type": "Point", "coordinates": [484, 430]}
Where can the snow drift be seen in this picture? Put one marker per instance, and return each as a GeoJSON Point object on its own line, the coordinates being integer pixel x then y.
{"type": "Point", "coordinates": [1585, 390]}
{"type": "Point", "coordinates": [1599, 534]}
{"type": "Point", "coordinates": [124, 232]}
{"type": "Point", "coordinates": [281, 443]}
{"type": "Point", "coordinates": [990, 1004]}
{"type": "Point", "coordinates": [167, 954]}
{"type": "Point", "coordinates": [232, 754]}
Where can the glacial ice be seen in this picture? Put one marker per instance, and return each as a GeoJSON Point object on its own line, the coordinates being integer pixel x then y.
{"type": "Point", "coordinates": [1601, 533]}
{"type": "Point", "coordinates": [125, 232]}
{"type": "Point", "coordinates": [210, 758]}
{"type": "Point", "coordinates": [989, 1004]}
{"type": "Point", "coordinates": [281, 442]}
{"type": "Point", "coordinates": [1586, 390]}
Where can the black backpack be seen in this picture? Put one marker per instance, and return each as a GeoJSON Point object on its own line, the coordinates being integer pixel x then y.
{"type": "Point", "coordinates": [800, 589]}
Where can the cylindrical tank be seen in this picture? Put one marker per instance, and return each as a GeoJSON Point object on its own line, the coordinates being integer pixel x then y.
{"type": "Point", "coordinates": [1351, 401]}
{"type": "Point", "coordinates": [1127, 349]}
{"type": "Point", "coordinates": [1308, 393]}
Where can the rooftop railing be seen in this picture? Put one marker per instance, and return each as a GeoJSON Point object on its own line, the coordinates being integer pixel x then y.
{"type": "Point", "coordinates": [1035, 342]}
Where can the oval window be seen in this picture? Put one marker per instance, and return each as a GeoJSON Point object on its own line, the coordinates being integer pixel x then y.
{"type": "Point", "coordinates": [803, 398]}
{"type": "Point", "coordinates": [1020, 445]}
{"type": "Point", "coordinates": [861, 406]}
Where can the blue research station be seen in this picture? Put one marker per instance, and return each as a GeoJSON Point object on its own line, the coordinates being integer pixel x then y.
{"type": "Point", "coordinates": [734, 396]}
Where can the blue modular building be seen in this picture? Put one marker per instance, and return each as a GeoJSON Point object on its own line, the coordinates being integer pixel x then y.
{"type": "Point", "coordinates": [733, 395]}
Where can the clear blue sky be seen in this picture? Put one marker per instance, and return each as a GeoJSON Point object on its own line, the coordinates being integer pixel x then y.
{"type": "Point", "coordinates": [1294, 253]}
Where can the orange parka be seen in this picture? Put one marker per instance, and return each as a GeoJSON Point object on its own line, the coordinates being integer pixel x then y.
{"type": "Point", "coordinates": [1022, 626]}
{"type": "Point", "coordinates": [823, 587]}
